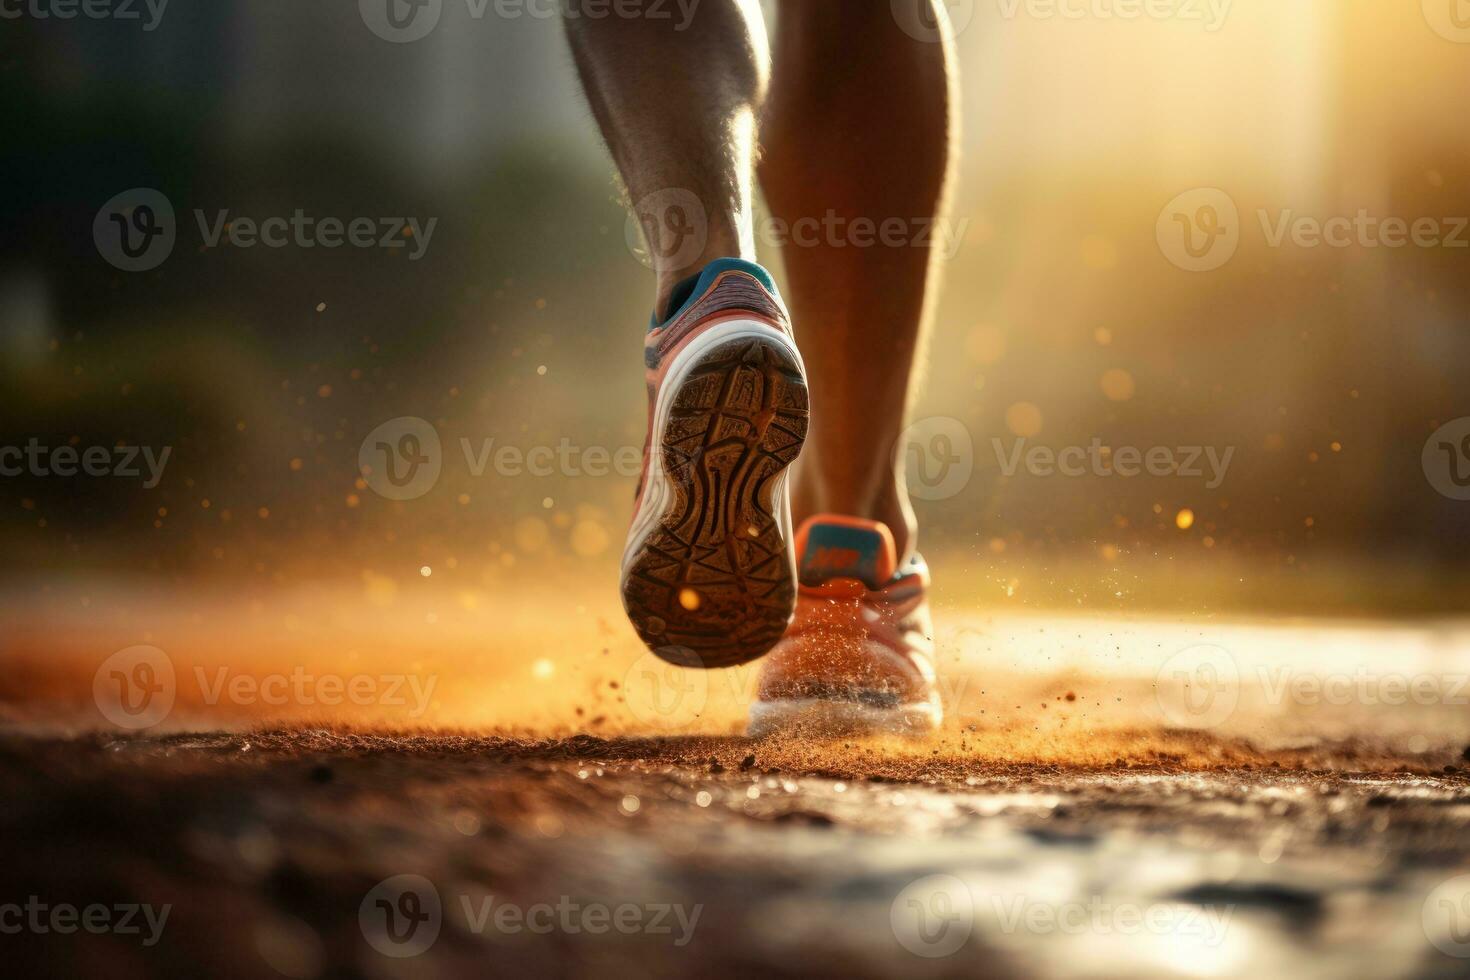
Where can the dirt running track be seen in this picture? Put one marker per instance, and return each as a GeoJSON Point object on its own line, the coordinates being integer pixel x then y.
{"type": "Point", "coordinates": [1111, 796]}
{"type": "Point", "coordinates": [280, 853]}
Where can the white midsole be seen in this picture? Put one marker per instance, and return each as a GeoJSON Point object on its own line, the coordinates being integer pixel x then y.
{"type": "Point", "coordinates": [821, 716]}
{"type": "Point", "coordinates": [658, 492]}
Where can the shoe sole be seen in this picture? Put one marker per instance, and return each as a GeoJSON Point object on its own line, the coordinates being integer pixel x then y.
{"type": "Point", "coordinates": [708, 576]}
{"type": "Point", "coordinates": [820, 717]}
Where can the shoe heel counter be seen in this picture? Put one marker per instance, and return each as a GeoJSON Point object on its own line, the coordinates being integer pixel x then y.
{"type": "Point", "coordinates": [733, 292]}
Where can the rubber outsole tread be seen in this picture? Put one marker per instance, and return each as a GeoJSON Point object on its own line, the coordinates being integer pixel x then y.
{"type": "Point", "coordinates": [712, 585]}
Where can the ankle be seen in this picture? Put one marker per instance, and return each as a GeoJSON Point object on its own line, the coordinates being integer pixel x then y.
{"type": "Point", "coordinates": [724, 245]}
{"type": "Point", "coordinates": [888, 505]}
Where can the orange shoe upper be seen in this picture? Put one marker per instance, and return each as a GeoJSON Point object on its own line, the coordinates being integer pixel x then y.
{"type": "Point", "coordinates": [862, 631]}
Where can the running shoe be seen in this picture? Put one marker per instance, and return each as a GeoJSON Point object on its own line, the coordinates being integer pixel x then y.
{"type": "Point", "coordinates": [708, 577]}
{"type": "Point", "coordinates": [859, 655]}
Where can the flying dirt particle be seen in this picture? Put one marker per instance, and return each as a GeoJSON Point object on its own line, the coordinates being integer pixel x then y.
{"type": "Point", "coordinates": [1071, 695]}
{"type": "Point", "coordinates": [1184, 520]}
{"type": "Point", "coordinates": [589, 539]}
{"type": "Point", "coordinates": [1117, 385]}
{"type": "Point", "coordinates": [986, 344]}
{"type": "Point", "coordinates": [1024, 420]}
{"type": "Point", "coordinates": [702, 798]}
{"type": "Point", "coordinates": [542, 669]}
{"type": "Point", "coordinates": [630, 804]}
{"type": "Point", "coordinates": [320, 307]}
{"type": "Point", "coordinates": [1099, 253]}
{"type": "Point", "coordinates": [425, 571]}
{"type": "Point", "coordinates": [531, 534]}
{"type": "Point", "coordinates": [689, 599]}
